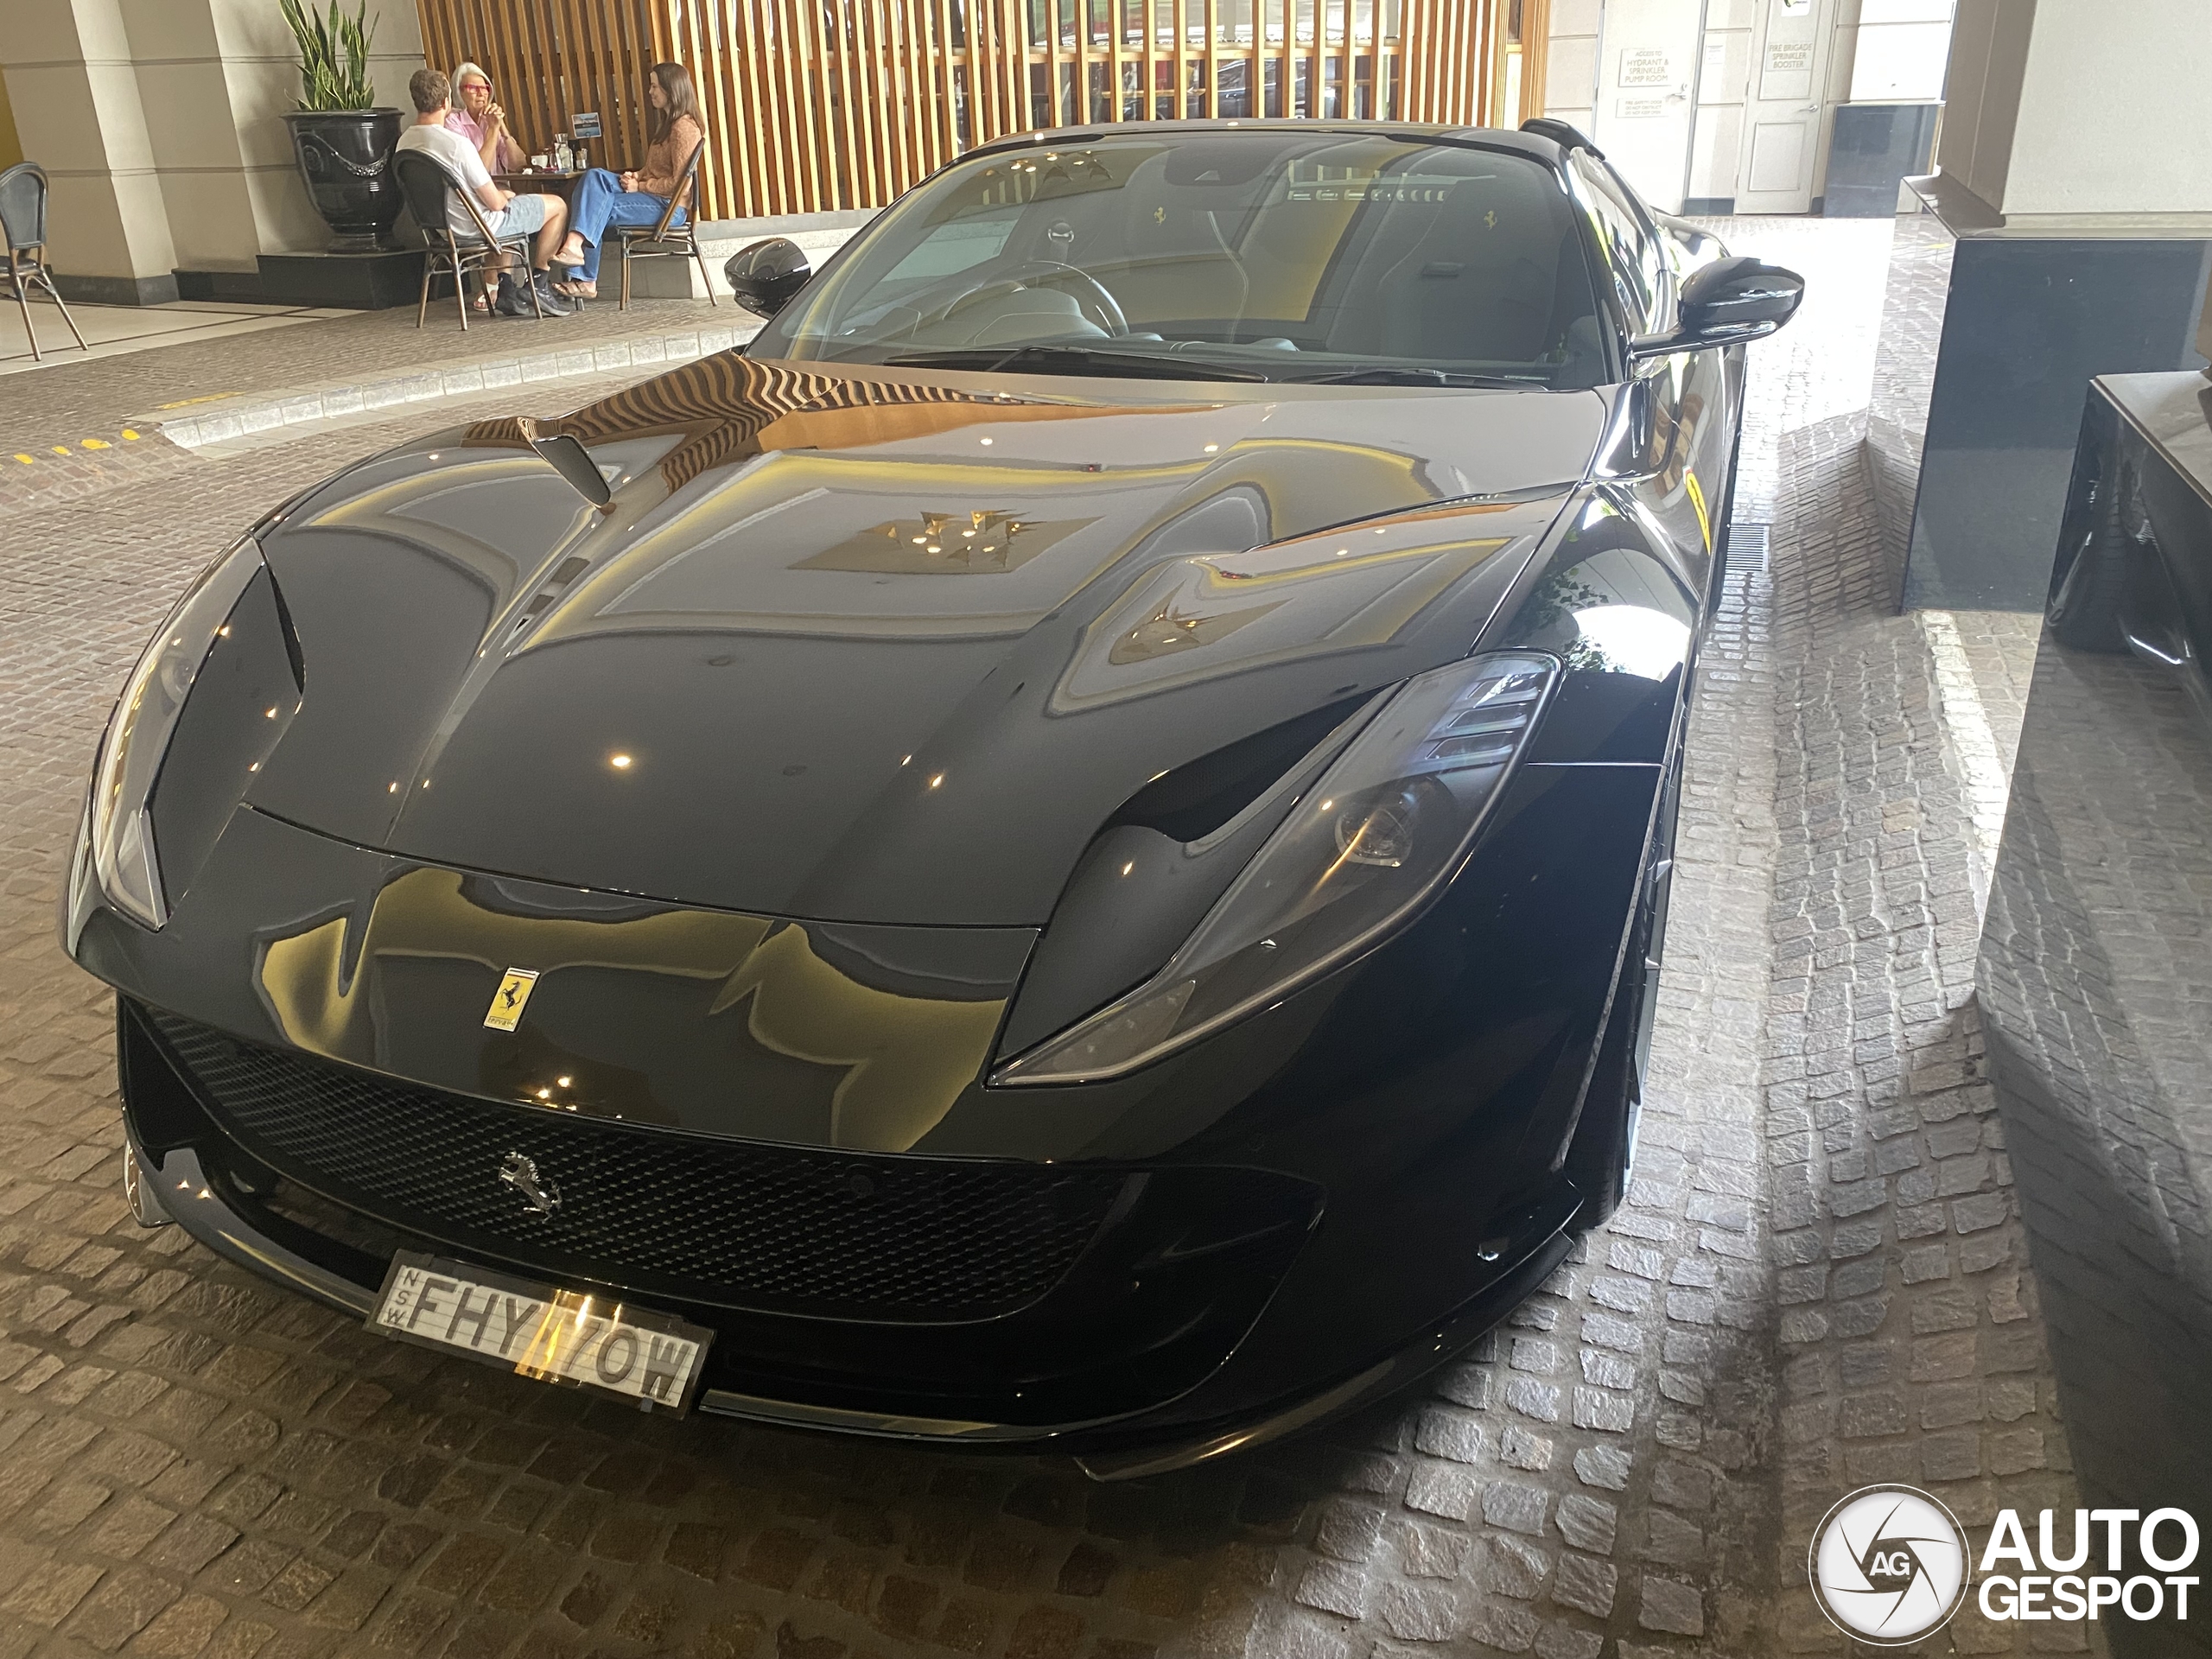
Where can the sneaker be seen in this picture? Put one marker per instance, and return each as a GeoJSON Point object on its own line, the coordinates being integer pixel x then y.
{"type": "Point", "coordinates": [555, 303]}
{"type": "Point", "coordinates": [512, 301]}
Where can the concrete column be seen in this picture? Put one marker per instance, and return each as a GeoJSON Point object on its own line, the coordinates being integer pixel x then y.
{"type": "Point", "coordinates": [74, 90]}
{"type": "Point", "coordinates": [162, 124]}
{"type": "Point", "coordinates": [2073, 185]}
{"type": "Point", "coordinates": [11, 150]}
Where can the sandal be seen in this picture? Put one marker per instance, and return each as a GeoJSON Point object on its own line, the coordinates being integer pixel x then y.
{"type": "Point", "coordinates": [482, 305]}
{"type": "Point", "coordinates": [577, 291]}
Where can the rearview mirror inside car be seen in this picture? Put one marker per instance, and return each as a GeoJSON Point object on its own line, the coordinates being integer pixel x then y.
{"type": "Point", "coordinates": [1727, 301]}
{"type": "Point", "coordinates": [766, 277]}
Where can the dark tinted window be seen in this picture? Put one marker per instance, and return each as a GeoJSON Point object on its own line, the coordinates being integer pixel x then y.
{"type": "Point", "coordinates": [1628, 253]}
{"type": "Point", "coordinates": [1303, 255]}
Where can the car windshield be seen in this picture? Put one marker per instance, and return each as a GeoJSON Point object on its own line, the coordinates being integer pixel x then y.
{"type": "Point", "coordinates": [1323, 256]}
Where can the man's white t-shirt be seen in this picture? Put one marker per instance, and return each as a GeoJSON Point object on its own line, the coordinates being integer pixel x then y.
{"type": "Point", "coordinates": [461, 158]}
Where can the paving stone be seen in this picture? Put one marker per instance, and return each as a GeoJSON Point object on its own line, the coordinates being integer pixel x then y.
{"type": "Point", "coordinates": [1515, 1505]}
{"type": "Point", "coordinates": [1431, 1552]}
{"type": "Point", "coordinates": [1603, 1466]}
{"type": "Point", "coordinates": [1513, 1569]}
{"type": "Point", "coordinates": [1669, 1604]}
{"type": "Point", "coordinates": [1587, 1522]}
{"type": "Point", "coordinates": [1451, 1434]}
{"type": "Point", "coordinates": [1586, 1583]}
{"type": "Point", "coordinates": [1441, 1489]}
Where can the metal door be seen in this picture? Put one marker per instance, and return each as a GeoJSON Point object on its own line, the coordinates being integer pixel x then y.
{"type": "Point", "coordinates": [1785, 106]}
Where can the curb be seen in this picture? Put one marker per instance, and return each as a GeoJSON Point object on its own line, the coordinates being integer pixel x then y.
{"type": "Point", "coordinates": [233, 418]}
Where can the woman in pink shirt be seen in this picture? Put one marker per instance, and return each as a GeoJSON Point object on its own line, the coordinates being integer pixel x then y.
{"type": "Point", "coordinates": [483, 122]}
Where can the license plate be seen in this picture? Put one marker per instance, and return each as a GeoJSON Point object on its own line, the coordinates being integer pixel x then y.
{"type": "Point", "coordinates": [583, 1340]}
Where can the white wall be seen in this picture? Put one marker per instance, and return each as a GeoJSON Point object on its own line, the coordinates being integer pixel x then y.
{"type": "Point", "coordinates": [1881, 51]}
{"type": "Point", "coordinates": [1571, 73]}
{"type": "Point", "coordinates": [1902, 48]}
{"type": "Point", "coordinates": [2115, 111]}
{"type": "Point", "coordinates": [1648, 59]}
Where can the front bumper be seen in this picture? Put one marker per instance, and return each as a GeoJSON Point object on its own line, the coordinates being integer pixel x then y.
{"type": "Point", "coordinates": [1114, 1407]}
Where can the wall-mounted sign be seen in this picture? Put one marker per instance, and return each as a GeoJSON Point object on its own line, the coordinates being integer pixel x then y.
{"type": "Point", "coordinates": [1647, 65]}
{"type": "Point", "coordinates": [585, 125]}
{"type": "Point", "coordinates": [1639, 109]}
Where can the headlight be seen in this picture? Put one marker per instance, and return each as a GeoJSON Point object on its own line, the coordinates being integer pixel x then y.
{"type": "Point", "coordinates": [145, 718]}
{"type": "Point", "coordinates": [1373, 841]}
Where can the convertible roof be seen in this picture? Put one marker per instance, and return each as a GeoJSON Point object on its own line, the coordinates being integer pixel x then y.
{"type": "Point", "coordinates": [1537, 146]}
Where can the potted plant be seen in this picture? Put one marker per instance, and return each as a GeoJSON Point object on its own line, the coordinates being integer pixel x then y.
{"type": "Point", "coordinates": [342, 139]}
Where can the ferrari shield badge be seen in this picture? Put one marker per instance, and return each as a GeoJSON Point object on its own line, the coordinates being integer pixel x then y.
{"type": "Point", "coordinates": [507, 1002]}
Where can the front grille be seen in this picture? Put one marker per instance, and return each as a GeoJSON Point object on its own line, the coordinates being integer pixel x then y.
{"type": "Point", "coordinates": [736, 1224]}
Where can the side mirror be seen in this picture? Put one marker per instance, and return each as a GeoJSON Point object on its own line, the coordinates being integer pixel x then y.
{"type": "Point", "coordinates": [766, 277]}
{"type": "Point", "coordinates": [1725, 302]}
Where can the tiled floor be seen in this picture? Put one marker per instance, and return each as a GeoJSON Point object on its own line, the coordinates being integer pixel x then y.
{"type": "Point", "coordinates": [115, 330]}
{"type": "Point", "coordinates": [1819, 1279]}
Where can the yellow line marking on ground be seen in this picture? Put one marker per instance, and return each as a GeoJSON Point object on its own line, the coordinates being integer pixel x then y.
{"type": "Point", "coordinates": [131, 436]}
{"type": "Point", "coordinates": [95, 443]}
{"type": "Point", "coordinates": [26, 460]}
{"type": "Point", "coordinates": [61, 449]}
{"type": "Point", "coordinates": [187, 402]}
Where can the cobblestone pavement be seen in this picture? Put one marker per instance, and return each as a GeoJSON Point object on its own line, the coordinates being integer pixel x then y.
{"type": "Point", "coordinates": [2097, 984]}
{"type": "Point", "coordinates": [1818, 1280]}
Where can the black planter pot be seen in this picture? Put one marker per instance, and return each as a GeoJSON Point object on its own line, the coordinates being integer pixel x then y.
{"type": "Point", "coordinates": [345, 155]}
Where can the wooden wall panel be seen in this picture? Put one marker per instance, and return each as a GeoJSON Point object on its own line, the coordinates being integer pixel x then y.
{"type": "Point", "coordinates": [815, 105]}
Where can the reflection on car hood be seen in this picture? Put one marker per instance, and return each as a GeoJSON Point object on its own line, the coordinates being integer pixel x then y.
{"type": "Point", "coordinates": [873, 645]}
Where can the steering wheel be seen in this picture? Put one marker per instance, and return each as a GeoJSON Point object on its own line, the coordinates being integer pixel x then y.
{"type": "Point", "coordinates": [1044, 273]}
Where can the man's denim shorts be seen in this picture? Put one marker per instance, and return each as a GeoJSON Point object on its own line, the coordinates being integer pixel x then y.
{"type": "Point", "coordinates": [523, 214]}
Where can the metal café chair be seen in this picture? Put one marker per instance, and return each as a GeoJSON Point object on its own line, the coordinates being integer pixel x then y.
{"type": "Point", "coordinates": [428, 184]}
{"type": "Point", "coordinates": [665, 238]}
{"type": "Point", "coordinates": [23, 222]}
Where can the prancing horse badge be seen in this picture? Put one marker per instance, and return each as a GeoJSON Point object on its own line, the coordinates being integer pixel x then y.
{"type": "Point", "coordinates": [506, 1012]}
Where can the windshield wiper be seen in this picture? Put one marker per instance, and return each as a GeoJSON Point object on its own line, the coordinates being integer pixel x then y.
{"type": "Point", "coordinates": [1074, 360]}
{"type": "Point", "coordinates": [1410, 376]}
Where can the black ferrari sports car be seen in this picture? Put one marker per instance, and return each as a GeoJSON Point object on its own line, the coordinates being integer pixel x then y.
{"type": "Point", "coordinates": [1069, 849]}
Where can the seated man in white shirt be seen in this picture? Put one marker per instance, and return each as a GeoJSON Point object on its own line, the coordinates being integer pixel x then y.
{"type": "Point", "coordinates": [503, 211]}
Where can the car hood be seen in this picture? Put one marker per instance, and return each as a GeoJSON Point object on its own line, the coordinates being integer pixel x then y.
{"type": "Point", "coordinates": [874, 645]}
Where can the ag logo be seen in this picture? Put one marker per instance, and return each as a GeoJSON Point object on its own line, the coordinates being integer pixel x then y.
{"type": "Point", "coordinates": [1889, 1565]}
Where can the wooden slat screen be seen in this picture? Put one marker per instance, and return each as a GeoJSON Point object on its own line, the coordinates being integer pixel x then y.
{"type": "Point", "coordinates": [816, 104]}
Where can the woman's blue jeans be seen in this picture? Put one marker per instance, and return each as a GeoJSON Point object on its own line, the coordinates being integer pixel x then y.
{"type": "Point", "coordinates": [600, 201]}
